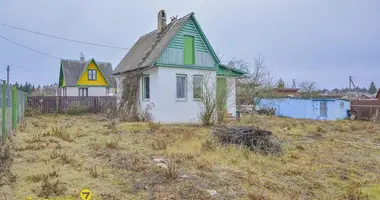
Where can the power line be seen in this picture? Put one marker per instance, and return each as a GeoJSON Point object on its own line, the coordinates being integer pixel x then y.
{"type": "Point", "coordinates": [46, 54]}
{"type": "Point", "coordinates": [62, 38]}
{"type": "Point", "coordinates": [20, 67]}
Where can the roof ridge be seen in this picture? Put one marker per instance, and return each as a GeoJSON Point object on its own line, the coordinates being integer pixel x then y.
{"type": "Point", "coordinates": [83, 61]}
{"type": "Point", "coordinates": [158, 39]}
{"type": "Point", "coordinates": [150, 46]}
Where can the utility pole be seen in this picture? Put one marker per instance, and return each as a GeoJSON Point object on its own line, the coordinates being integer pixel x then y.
{"type": "Point", "coordinates": [8, 68]}
{"type": "Point", "coordinates": [349, 83]}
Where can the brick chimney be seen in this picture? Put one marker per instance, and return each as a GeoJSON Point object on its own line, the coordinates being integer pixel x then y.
{"type": "Point", "coordinates": [161, 21]}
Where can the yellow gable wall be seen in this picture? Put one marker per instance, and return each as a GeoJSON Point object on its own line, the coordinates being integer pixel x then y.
{"type": "Point", "coordinates": [100, 80]}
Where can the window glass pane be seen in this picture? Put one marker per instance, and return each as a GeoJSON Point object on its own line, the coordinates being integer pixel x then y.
{"type": "Point", "coordinates": [146, 87]}
{"type": "Point", "coordinates": [197, 87]}
{"type": "Point", "coordinates": [181, 87]}
{"type": "Point", "coordinates": [91, 74]}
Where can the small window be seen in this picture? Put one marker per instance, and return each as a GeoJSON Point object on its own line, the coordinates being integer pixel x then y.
{"type": "Point", "coordinates": [181, 87]}
{"type": "Point", "coordinates": [146, 88]}
{"type": "Point", "coordinates": [341, 105]}
{"type": "Point", "coordinates": [83, 92]}
{"type": "Point", "coordinates": [197, 86]}
{"type": "Point", "coordinates": [91, 74]}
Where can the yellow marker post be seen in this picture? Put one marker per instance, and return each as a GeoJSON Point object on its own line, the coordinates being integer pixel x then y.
{"type": "Point", "coordinates": [85, 194]}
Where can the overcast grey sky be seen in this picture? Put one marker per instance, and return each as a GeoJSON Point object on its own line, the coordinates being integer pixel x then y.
{"type": "Point", "coordinates": [320, 40]}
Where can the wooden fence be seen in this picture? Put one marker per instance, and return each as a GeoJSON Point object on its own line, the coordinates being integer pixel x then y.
{"type": "Point", "coordinates": [62, 104]}
{"type": "Point", "coordinates": [366, 109]}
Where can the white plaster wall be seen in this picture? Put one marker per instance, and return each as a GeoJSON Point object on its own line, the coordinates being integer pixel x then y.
{"type": "Point", "coordinates": [71, 91]}
{"type": "Point", "coordinates": [92, 91]}
{"type": "Point", "coordinates": [155, 94]}
{"type": "Point", "coordinates": [111, 91]}
{"type": "Point", "coordinates": [231, 99]}
{"type": "Point", "coordinates": [95, 91]}
{"type": "Point", "coordinates": [167, 109]}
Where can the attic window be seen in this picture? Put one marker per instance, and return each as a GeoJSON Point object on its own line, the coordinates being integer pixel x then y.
{"type": "Point", "coordinates": [92, 74]}
{"type": "Point", "coordinates": [189, 50]}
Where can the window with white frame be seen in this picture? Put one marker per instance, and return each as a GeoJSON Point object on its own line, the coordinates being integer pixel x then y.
{"type": "Point", "coordinates": [92, 74]}
{"type": "Point", "coordinates": [197, 86]}
{"type": "Point", "coordinates": [181, 87]}
{"type": "Point", "coordinates": [146, 87]}
{"type": "Point", "coordinates": [83, 92]}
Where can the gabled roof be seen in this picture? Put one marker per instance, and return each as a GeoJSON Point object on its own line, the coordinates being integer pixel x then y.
{"type": "Point", "coordinates": [72, 70]}
{"type": "Point", "coordinates": [149, 47]}
{"type": "Point", "coordinates": [225, 70]}
{"type": "Point", "coordinates": [378, 94]}
{"type": "Point", "coordinates": [287, 89]}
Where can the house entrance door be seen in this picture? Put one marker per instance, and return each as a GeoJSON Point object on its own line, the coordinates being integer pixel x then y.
{"type": "Point", "coordinates": [221, 93]}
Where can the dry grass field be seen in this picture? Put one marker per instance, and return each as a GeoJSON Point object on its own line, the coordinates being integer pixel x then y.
{"type": "Point", "coordinates": [57, 156]}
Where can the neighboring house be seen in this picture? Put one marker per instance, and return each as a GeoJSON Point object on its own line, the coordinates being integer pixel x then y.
{"type": "Point", "coordinates": [176, 60]}
{"type": "Point", "coordinates": [308, 108]}
{"type": "Point", "coordinates": [288, 92]}
{"type": "Point", "coordinates": [358, 95]}
{"type": "Point", "coordinates": [378, 94]}
{"type": "Point", "coordinates": [49, 90]}
{"type": "Point", "coordinates": [86, 78]}
{"type": "Point", "coordinates": [331, 94]}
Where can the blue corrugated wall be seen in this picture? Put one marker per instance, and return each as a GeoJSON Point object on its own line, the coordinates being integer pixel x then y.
{"type": "Point", "coordinates": [308, 108]}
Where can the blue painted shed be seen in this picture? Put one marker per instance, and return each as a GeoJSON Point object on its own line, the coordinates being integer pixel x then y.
{"type": "Point", "coordinates": [308, 108]}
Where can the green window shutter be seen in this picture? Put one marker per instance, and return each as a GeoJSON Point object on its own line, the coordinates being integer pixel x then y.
{"type": "Point", "coordinates": [189, 50]}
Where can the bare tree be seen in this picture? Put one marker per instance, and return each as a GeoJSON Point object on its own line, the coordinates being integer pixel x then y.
{"type": "Point", "coordinates": [240, 65]}
{"type": "Point", "coordinates": [212, 98]}
{"type": "Point", "coordinates": [307, 88]}
{"type": "Point", "coordinates": [257, 82]}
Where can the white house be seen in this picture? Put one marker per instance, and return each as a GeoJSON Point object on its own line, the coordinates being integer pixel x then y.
{"type": "Point", "coordinates": [86, 78]}
{"type": "Point", "coordinates": [177, 62]}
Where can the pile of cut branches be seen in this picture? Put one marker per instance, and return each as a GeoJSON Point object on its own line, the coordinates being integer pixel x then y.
{"type": "Point", "coordinates": [255, 139]}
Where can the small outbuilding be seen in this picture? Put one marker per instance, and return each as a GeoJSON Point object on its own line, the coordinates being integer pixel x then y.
{"type": "Point", "coordinates": [308, 108]}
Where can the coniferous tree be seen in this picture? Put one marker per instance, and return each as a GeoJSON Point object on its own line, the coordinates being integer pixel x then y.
{"type": "Point", "coordinates": [280, 83]}
{"type": "Point", "coordinates": [372, 88]}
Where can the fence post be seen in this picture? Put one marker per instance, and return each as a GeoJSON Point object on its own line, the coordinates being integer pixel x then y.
{"type": "Point", "coordinates": [4, 109]}
{"type": "Point", "coordinates": [57, 104]}
{"type": "Point", "coordinates": [14, 107]}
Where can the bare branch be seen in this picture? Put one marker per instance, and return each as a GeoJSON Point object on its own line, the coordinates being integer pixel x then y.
{"type": "Point", "coordinates": [307, 88]}
{"type": "Point", "coordinates": [213, 100]}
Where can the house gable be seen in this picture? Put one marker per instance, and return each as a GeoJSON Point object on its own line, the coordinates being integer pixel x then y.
{"type": "Point", "coordinates": [190, 36]}
{"type": "Point", "coordinates": [83, 79]}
